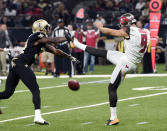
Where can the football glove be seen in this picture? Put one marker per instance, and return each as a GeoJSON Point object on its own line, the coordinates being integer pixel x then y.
{"type": "Point", "coordinates": [75, 60]}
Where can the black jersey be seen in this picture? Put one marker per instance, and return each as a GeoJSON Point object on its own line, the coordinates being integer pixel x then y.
{"type": "Point", "coordinates": [28, 55]}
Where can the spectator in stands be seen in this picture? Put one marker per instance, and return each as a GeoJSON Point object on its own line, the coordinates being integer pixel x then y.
{"type": "Point", "coordinates": [63, 13]}
{"type": "Point", "coordinates": [48, 61]}
{"type": "Point", "coordinates": [139, 24]}
{"type": "Point", "coordinates": [164, 20]}
{"type": "Point", "coordinates": [62, 64]}
{"type": "Point", "coordinates": [91, 38]}
{"type": "Point", "coordinates": [77, 53]}
{"type": "Point", "coordinates": [12, 4]}
{"type": "Point", "coordinates": [54, 20]}
{"type": "Point", "coordinates": [145, 11]}
{"type": "Point", "coordinates": [100, 18]}
{"type": "Point", "coordinates": [2, 8]}
{"type": "Point", "coordinates": [42, 4]}
{"type": "Point", "coordinates": [9, 22]}
{"type": "Point", "coordinates": [91, 12]}
{"type": "Point", "coordinates": [4, 42]}
{"type": "Point", "coordinates": [109, 5]}
{"type": "Point", "coordinates": [101, 45]}
{"type": "Point", "coordinates": [98, 8]}
{"type": "Point", "coordinates": [140, 5]}
{"type": "Point", "coordinates": [9, 11]}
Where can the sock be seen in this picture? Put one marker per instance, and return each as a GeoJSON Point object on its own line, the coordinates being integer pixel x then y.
{"type": "Point", "coordinates": [38, 116]}
{"type": "Point", "coordinates": [113, 111]}
{"type": "Point", "coordinates": [37, 112]}
{"type": "Point", "coordinates": [79, 45]}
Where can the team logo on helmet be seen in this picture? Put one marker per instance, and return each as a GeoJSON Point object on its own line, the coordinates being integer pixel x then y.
{"type": "Point", "coordinates": [41, 26]}
{"type": "Point", "coordinates": [126, 20]}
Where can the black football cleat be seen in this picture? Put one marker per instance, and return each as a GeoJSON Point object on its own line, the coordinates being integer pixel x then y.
{"type": "Point", "coordinates": [40, 123]}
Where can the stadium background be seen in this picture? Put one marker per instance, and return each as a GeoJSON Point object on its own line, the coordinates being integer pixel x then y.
{"type": "Point", "coordinates": [19, 15]}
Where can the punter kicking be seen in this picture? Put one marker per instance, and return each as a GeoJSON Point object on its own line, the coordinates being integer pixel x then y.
{"type": "Point", "coordinates": [135, 42]}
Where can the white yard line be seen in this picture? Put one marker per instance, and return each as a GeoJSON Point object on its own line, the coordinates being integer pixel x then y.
{"type": "Point", "coordinates": [86, 123]}
{"type": "Point", "coordinates": [87, 76]}
{"type": "Point", "coordinates": [58, 86]}
{"type": "Point", "coordinates": [97, 76]}
{"type": "Point", "coordinates": [83, 107]}
{"type": "Point", "coordinates": [132, 105]}
{"type": "Point", "coordinates": [32, 124]}
{"type": "Point", "coordinates": [4, 107]}
{"type": "Point", "coordinates": [43, 88]}
{"type": "Point", "coordinates": [45, 107]}
{"type": "Point", "coordinates": [141, 123]}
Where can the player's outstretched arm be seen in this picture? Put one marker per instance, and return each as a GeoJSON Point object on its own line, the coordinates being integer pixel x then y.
{"type": "Point", "coordinates": [90, 50]}
{"type": "Point", "coordinates": [109, 31]}
{"type": "Point", "coordinates": [59, 52]}
{"type": "Point", "coordinates": [51, 40]}
{"type": "Point", "coordinates": [55, 40]}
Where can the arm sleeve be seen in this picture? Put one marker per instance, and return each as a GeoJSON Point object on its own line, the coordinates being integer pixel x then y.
{"type": "Point", "coordinates": [127, 29]}
{"type": "Point", "coordinates": [35, 37]}
{"type": "Point", "coordinates": [38, 36]}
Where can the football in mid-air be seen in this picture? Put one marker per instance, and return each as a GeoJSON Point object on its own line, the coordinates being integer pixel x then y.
{"type": "Point", "coordinates": [73, 85]}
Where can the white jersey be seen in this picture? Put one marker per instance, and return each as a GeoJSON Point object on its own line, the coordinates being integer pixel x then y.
{"type": "Point", "coordinates": [136, 45]}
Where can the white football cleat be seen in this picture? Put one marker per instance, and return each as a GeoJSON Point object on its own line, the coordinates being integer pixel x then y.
{"type": "Point", "coordinates": [75, 42]}
{"type": "Point", "coordinates": [39, 120]}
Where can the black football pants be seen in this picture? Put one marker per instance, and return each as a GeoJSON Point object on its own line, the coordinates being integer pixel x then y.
{"type": "Point", "coordinates": [20, 71]}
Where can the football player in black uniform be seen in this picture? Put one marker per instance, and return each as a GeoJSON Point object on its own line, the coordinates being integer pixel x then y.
{"type": "Point", "coordinates": [20, 65]}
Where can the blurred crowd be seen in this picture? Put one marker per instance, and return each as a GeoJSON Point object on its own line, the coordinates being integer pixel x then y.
{"type": "Point", "coordinates": [22, 13]}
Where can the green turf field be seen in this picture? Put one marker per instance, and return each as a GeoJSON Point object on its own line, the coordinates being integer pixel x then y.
{"type": "Point", "coordinates": [68, 110]}
{"type": "Point", "coordinates": [107, 69]}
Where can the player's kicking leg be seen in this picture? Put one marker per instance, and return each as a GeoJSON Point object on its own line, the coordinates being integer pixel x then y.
{"type": "Point", "coordinates": [90, 50]}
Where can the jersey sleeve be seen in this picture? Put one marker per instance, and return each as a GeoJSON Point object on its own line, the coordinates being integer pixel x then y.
{"type": "Point", "coordinates": [127, 29]}
{"type": "Point", "coordinates": [37, 36]}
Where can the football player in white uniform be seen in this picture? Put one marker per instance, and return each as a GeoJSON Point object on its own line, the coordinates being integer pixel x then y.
{"type": "Point", "coordinates": [135, 41]}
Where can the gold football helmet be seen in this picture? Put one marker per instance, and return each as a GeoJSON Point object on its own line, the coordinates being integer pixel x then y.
{"type": "Point", "coordinates": [41, 26]}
